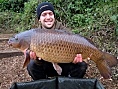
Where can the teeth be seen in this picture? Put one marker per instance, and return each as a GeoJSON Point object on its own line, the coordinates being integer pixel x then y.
{"type": "Point", "coordinates": [48, 22]}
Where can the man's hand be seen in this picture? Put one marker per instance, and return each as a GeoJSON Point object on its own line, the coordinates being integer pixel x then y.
{"type": "Point", "coordinates": [33, 55]}
{"type": "Point", "coordinates": [78, 58]}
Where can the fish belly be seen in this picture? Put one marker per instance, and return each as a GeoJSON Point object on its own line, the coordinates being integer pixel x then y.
{"type": "Point", "coordinates": [58, 52]}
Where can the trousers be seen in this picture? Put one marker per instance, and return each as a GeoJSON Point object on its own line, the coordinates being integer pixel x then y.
{"type": "Point", "coordinates": [40, 69]}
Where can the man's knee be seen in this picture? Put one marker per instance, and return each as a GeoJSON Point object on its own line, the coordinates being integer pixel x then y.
{"type": "Point", "coordinates": [31, 65]}
{"type": "Point", "coordinates": [83, 64]}
{"type": "Point", "coordinates": [79, 70]}
{"type": "Point", "coordinates": [36, 71]}
{"type": "Point", "coordinates": [35, 64]}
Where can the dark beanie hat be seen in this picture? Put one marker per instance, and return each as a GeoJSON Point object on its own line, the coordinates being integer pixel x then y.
{"type": "Point", "coordinates": [43, 7]}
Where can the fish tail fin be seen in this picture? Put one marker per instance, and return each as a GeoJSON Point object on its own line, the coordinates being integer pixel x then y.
{"type": "Point", "coordinates": [104, 69]}
{"type": "Point", "coordinates": [110, 59]}
{"type": "Point", "coordinates": [104, 64]}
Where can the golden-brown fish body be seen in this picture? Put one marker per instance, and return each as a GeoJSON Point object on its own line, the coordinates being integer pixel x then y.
{"type": "Point", "coordinates": [58, 46]}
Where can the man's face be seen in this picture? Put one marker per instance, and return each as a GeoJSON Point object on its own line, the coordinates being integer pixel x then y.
{"type": "Point", "coordinates": [47, 19]}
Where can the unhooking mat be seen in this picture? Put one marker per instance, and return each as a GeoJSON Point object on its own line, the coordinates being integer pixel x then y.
{"type": "Point", "coordinates": [59, 83]}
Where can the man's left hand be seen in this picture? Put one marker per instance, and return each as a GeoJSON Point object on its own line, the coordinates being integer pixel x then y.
{"type": "Point", "coordinates": [77, 59]}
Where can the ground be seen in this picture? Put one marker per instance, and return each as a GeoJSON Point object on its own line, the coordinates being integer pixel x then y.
{"type": "Point", "coordinates": [12, 71]}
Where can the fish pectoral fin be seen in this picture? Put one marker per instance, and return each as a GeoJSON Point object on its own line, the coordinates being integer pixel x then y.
{"type": "Point", "coordinates": [27, 58]}
{"type": "Point", "coordinates": [57, 68]}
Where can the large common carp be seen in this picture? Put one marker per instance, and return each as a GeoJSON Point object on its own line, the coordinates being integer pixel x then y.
{"type": "Point", "coordinates": [58, 46]}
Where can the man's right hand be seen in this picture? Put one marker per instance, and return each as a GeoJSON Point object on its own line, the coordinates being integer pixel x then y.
{"type": "Point", "coordinates": [33, 55]}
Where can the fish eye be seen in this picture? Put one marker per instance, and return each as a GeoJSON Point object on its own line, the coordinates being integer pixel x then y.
{"type": "Point", "coordinates": [16, 37]}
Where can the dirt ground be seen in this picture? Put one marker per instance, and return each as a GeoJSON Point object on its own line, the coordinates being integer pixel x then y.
{"type": "Point", "coordinates": [12, 71]}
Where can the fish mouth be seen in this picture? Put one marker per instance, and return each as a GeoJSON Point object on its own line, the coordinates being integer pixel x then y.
{"type": "Point", "coordinates": [9, 43]}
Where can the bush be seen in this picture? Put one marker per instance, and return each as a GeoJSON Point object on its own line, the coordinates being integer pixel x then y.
{"type": "Point", "coordinates": [18, 20]}
{"type": "Point", "coordinates": [13, 5]}
{"type": "Point", "coordinates": [28, 17]}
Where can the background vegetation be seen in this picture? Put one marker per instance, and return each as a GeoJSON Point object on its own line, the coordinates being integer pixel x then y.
{"type": "Point", "coordinates": [86, 15]}
{"type": "Point", "coordinates": [95, 19]}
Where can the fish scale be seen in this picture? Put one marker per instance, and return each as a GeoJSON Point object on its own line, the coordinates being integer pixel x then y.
{"type": "Point", "coordinates": [58, 46]}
